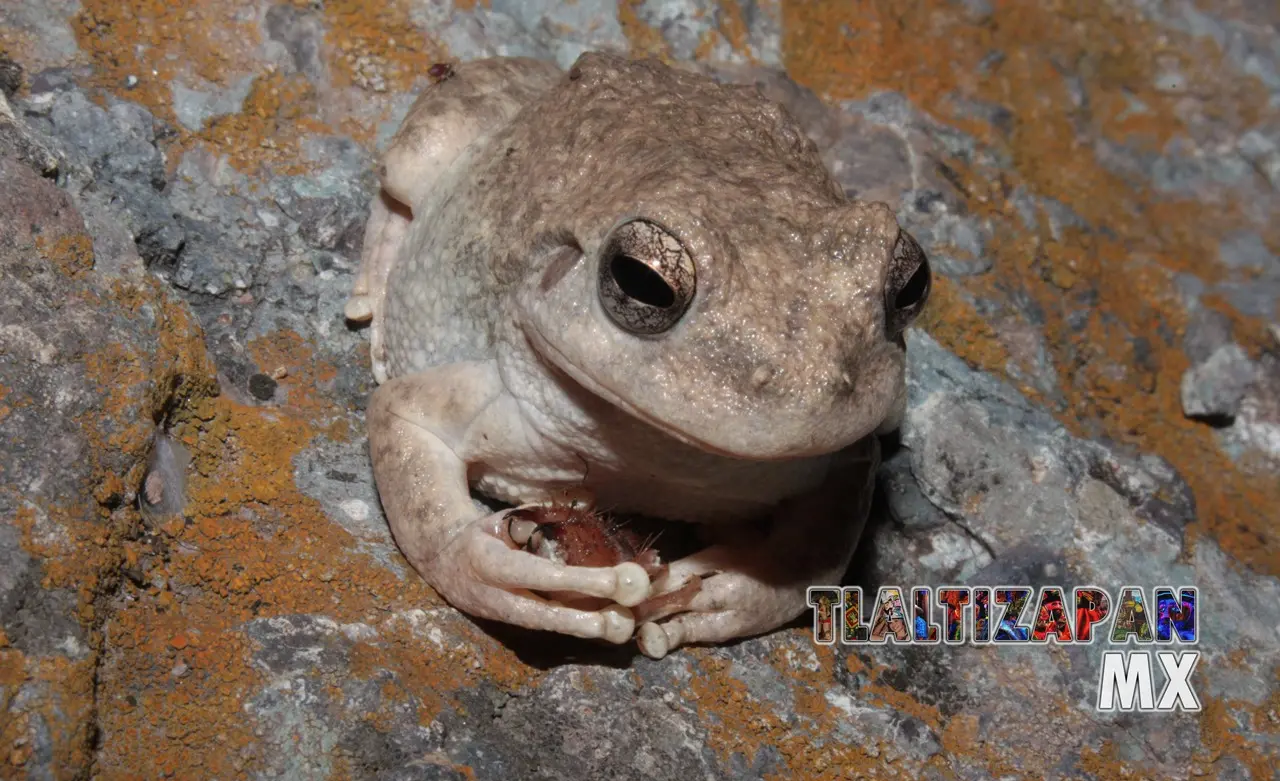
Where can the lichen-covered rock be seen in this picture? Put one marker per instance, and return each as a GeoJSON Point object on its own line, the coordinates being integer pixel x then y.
{"type": "Point", "coordinates": [1027, 503]}
{"type": "Point", "coordinates": [88, 365]}
{"type": "Point", "coordinates": [18, 143]}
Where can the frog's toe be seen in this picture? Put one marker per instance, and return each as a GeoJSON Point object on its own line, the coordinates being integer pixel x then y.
{"type": "Point", "coordinates": [724, 607]}
{"type": "Point", "coordinates": [359, 308]}
{"type": "Point", "coordinates": [669, 603]}
{"type": "Point", "coordinates": [613, 624]}
{"type": "Point", "coordinates": [657, 640]}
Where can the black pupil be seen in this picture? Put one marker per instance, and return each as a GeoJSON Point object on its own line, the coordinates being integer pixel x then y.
{"type": "Point", "coordinates": [914, 290]}
{"type": "Point", "coordinates": [641, 283]}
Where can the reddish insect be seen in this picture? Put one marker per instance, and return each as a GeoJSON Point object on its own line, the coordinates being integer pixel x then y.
{"type": "Point", "coordinates": [441, 71]}
{"type": "Point", "coordinates": [581, 537]}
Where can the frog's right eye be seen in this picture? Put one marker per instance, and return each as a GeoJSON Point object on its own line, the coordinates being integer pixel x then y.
{"type": "Point", "coordinates": [647, 278]}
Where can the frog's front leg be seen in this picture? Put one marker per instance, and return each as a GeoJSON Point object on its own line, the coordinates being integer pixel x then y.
{"type": "Point", "coordinates": [424, 430]}
{"type": "Point", "coordinates": [756, 588]}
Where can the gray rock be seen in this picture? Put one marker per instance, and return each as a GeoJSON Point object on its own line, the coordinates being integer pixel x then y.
{"type": "Point", "coordinates": [339, 476]}
{"type": "Point", "coordinates": [1078, 507]}
{"type": "Point", "coordinates": [1263, 153]}
{"type": "Point", "coordinates": [683, 24]}
{"type": "Point", "coordinates": [195, 107]}
{"type": "Point", "coordinates": [687, 26]}
{"type": "Point", "coordinates": [116, 145]}
{"type": "Point", "coordinates": [302, 656]}
{"type": "Point", "coordinates": [10, 76]}
{"type": "Point", "coordinates": [301, 32]}
{"type": "Point", "coordinates": [18, 142]}
{"type": "Point", "coordinates": [556, 31]}
{"type": "Point", "coordinates": [956, 245]}
{"type": "Point", "coordinates": [900, 160]}
{"type": "Point", "coordinates": [1213, 390]}
{"type": "Point", "coordinates": [1256, 428]}
{"type": "Point", "coordinates": [1207, 332]}
{"type": "Point", "coordinates": [1245, 250]}
{"type": "Point", "coordinates": [46, 21]}
{"type": "Point", "coordinates": [907, 504]}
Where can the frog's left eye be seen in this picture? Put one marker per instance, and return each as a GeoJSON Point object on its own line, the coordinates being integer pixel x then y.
{"type": "Point", "coordinates": [647, 278]}
{"type": "Point", "coordinates": [907, 287]}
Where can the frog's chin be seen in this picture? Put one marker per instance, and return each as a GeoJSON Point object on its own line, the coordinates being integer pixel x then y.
{"type": "Point", "coordinates": [557, 360]}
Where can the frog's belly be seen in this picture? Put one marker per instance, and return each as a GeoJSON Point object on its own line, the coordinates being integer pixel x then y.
{"type": "Point", "coordinates": [748, 491]}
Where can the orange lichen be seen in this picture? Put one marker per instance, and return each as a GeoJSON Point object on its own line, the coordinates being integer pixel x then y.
{"type": "Point", "coordinates": [952, 320]}
{"type": "Point", "coordinates": [377, 46]}
{"type": "Point", "coordinates": [65, 707]}
{"type": "Point", "coordinates": [647, 41]}
{"type": "Point", "coordinates": [304, 378]}
{"type": "Point", "coordinates": [733, 26]}
{"type": "Point", "coordinates": [251, 545]}
{"type": "Point", "coordinates": [738, 723]}
{"type": "Point", "coordinates": [644, 39]}
{"type": "Point", "coordinates": [1220, 737]}
{"type": "Point", "coordinates": [276, 111]}
{"type": "Point", "coordinates": [157, 42]}
{"type": "Point", "coordinates": [85, 557]}
{"type": "Point", "coordinates": [72, 253]}
{"type": "Point", "coordinates": [141, 48]}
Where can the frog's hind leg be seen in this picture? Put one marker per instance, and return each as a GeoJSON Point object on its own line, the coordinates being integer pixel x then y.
{"type": "Point", "coordinates": [473, 100]}
{"type": "Point", "coordinates": [388, 223]}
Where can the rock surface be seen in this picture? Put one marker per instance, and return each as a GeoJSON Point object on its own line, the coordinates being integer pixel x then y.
{"type": "Point", "coordinates": [183, 190]}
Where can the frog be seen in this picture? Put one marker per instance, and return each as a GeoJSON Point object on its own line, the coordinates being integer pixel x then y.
{"type": "Point", "coordinates": [637, 286]}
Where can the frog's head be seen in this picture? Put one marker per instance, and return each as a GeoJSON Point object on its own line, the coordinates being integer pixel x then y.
{"type": "Point", "coordinates": [703, 272]}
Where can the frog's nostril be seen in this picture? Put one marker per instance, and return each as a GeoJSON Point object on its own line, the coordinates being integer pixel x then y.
{"type": "Point", "coordinates": [907, 286]}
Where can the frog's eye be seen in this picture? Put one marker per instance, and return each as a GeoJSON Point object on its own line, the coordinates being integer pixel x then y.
{"type": "Point", "coordinates": [647, 278]}
{"type": "Point", "coordinates": [907, 288]}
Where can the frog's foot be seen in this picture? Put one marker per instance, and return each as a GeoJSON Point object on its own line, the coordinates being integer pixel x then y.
{"type": "Point", "coordinates": [388, 223]}
{"type": "Point", "coordinates": [713, 601]}
{"type": "Point", "coordinates": [749, 589]}
{"type": "Point", "coordinates": [497, 560]}
{"type": "Point", "coordinates": [483, 574]}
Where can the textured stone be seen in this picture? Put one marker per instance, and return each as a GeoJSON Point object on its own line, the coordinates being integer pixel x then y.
{"type": "Point", "coordinates": [1214, 389]}
{"type": "Point", "coordinates": [83, 374]}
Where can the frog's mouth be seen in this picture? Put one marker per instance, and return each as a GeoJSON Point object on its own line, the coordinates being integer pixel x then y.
{"type": "Point", "coordinates": [559, 364]}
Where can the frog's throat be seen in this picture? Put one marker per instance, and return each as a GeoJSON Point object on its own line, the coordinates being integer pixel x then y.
{"type": "Point", "coordinates": [559, 363]}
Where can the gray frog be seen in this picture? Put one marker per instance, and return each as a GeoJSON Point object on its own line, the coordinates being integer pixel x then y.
{"type": "Point", "coordinates": [636, 286]}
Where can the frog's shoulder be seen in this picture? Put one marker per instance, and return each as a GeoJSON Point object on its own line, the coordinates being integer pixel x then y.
{"type": "Point", "coordinates": [470, 101]}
